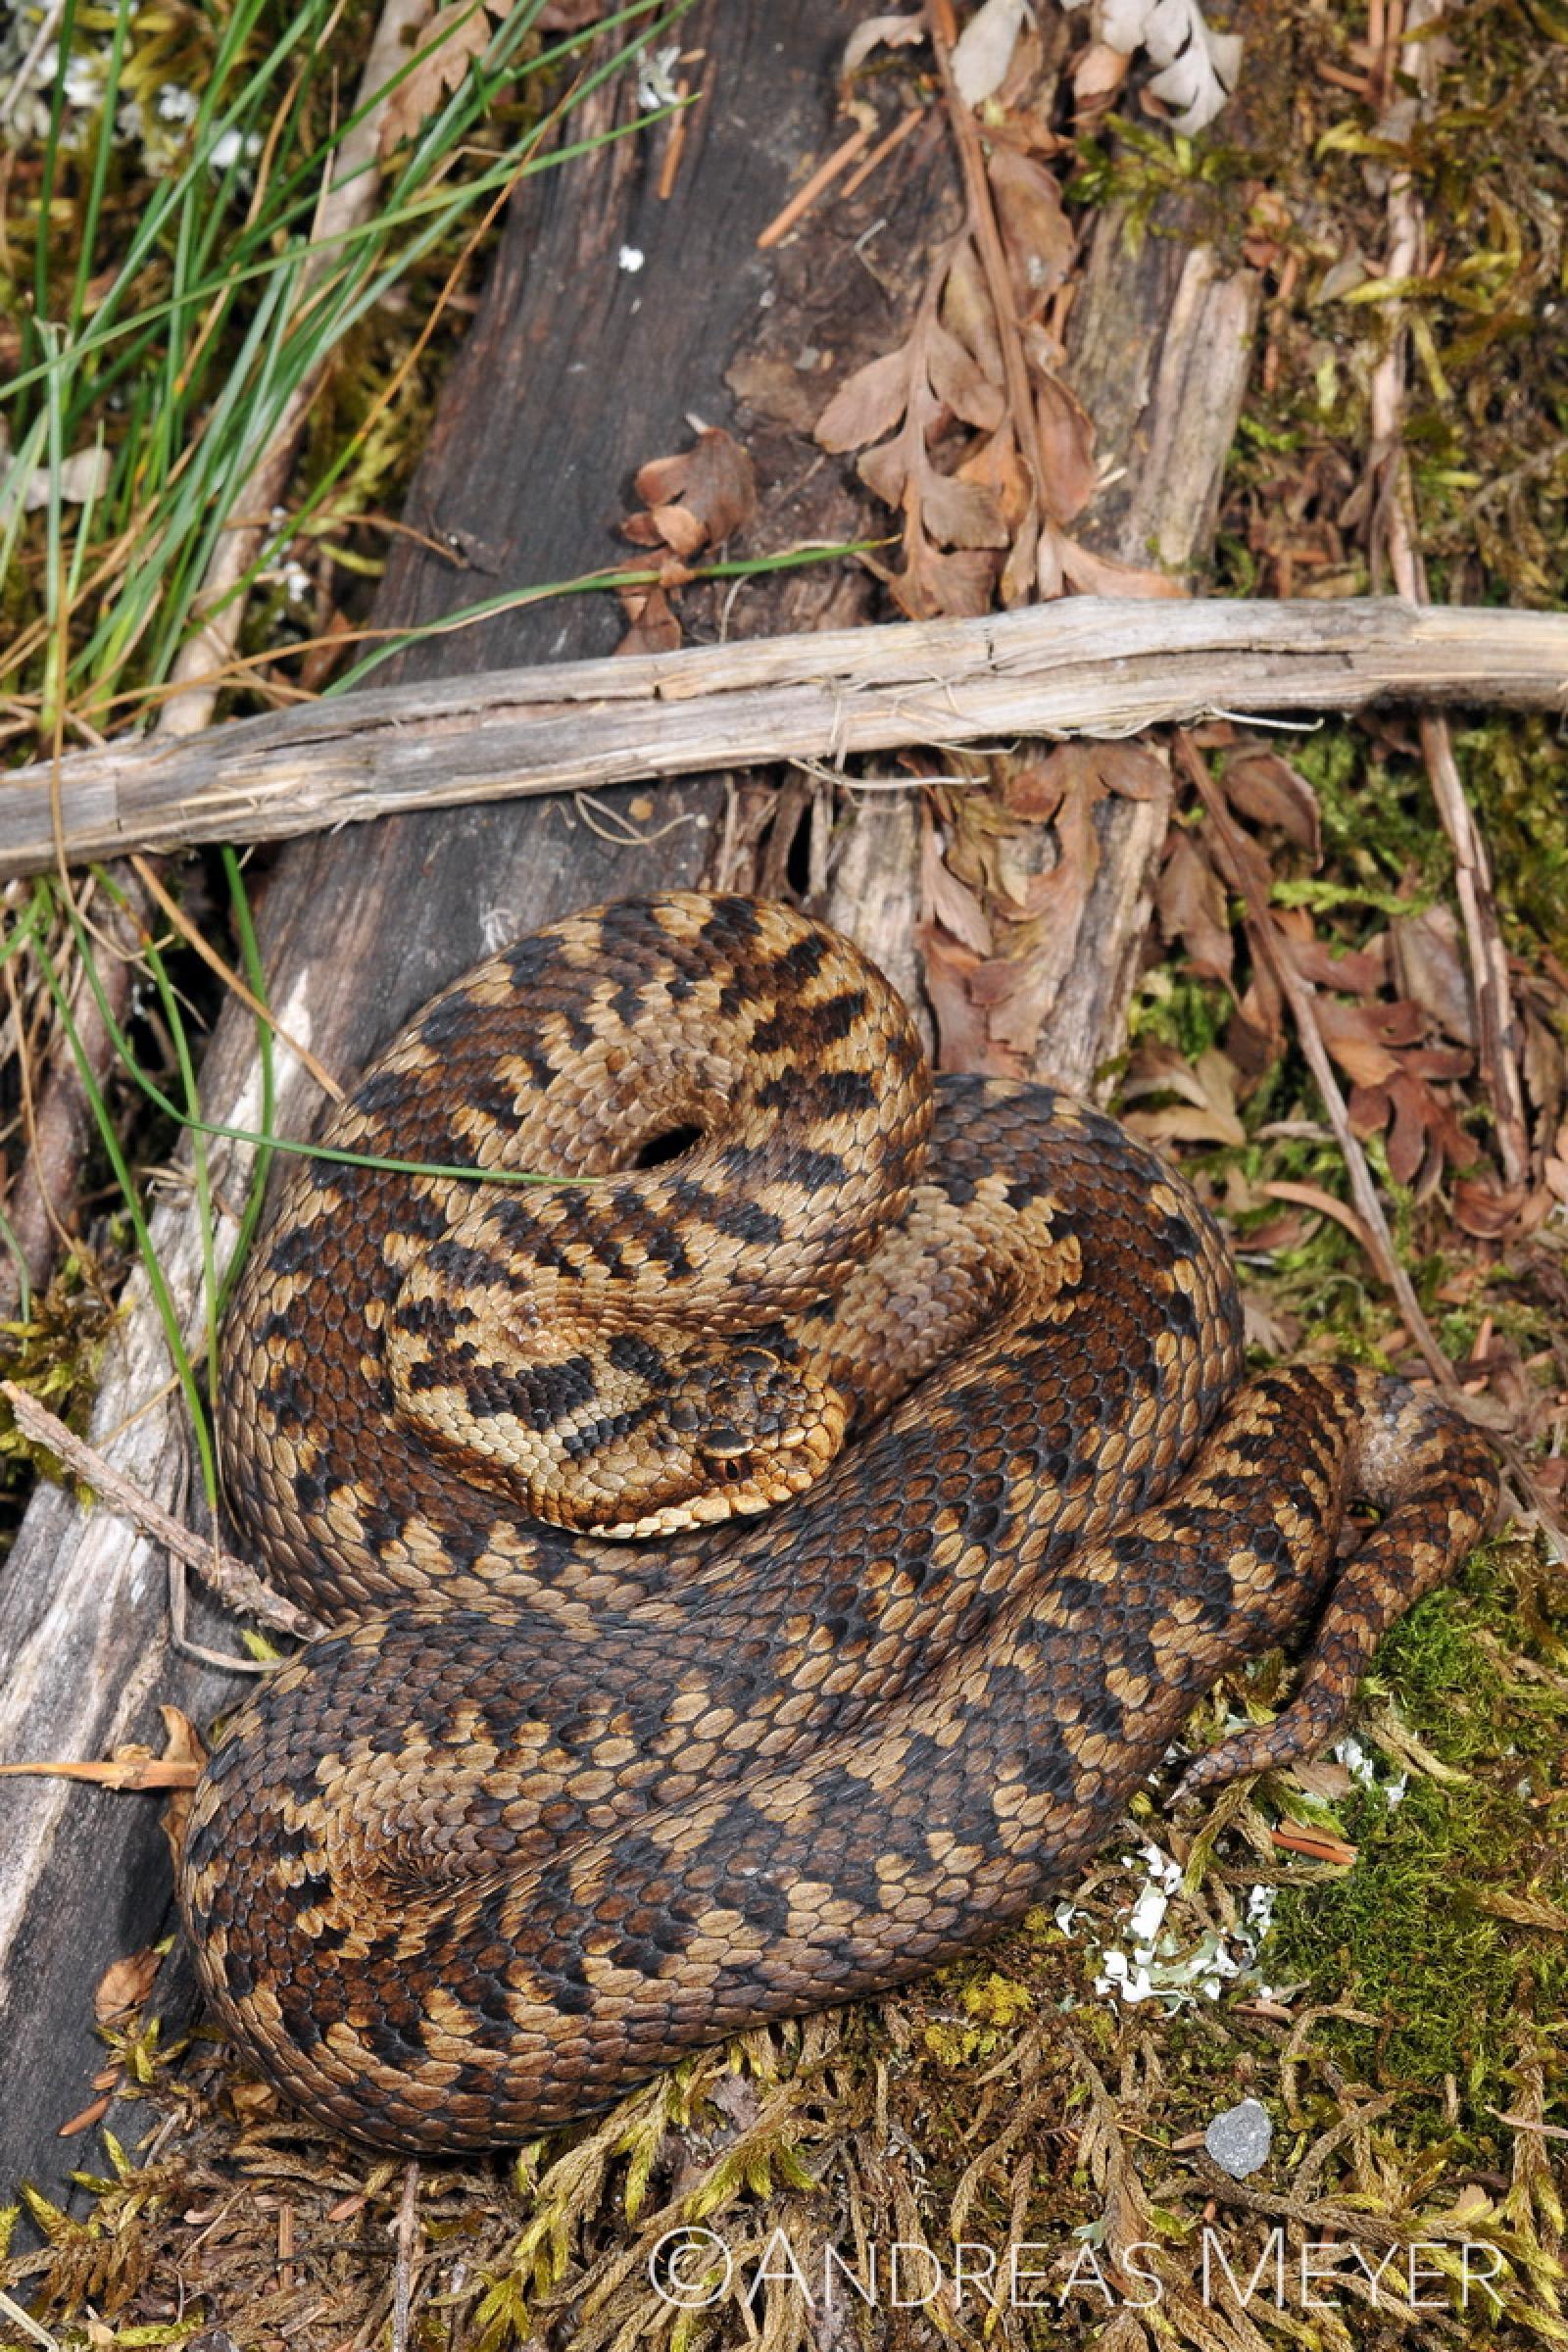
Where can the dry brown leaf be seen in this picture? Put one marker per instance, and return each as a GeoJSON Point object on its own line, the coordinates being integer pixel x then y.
{"type": "Point", "coordinates": [1360, 971]}
{"type": "Point", "coordinates": [1037, 236]}
{"type": "Point", "coordinates": [867, 404]}
{"type": "Point", "coordinates": [775, 389]}
{"type": "Point", "coordinates": [182, 1744]}
{"type": "Point", "coordinates": [1131, 770]}
{"type": "Point", "coordinates": [1102, 576]}
{"type": "Point", "coordinates": [1190, 902]}
{"type": "Point", "coordinates": [946, 899]}
{"type": "Point", "coordinates": [697, 498]}
{"type": "Point", "coordinates": [958, 378]}
{"type": "Point", "coordinates": [962, 514]}
{"type": "Point", "coordinates": [963, 1037]}
{"type": "Point", "coordinates": [1067, 450]}
{"type": "Point", "coordinates": [1261, 785]}
{"type": "Point", "coordinates": [985, 352]}
{"type": "Point", "coordinates": [910, 395]}
{"type": "Point", "coordinates": [879, 32]}
{"type": "Point", "coordinates": [1414, 1107]}
{"type": "Point", "coordinates": [1031, 566]}
{"type": "Point", "coordinates": [1486, 1209]}
{"type": "Point", "coordinates": [995, 464]}
{"type": "Point", "coordinates": [1263, 1328]}
{"type": "Point", "coordinates": [1313, 1196]}
{"type": "Point", "coordinates": [1015, 994]}
{"type": "Point", "coordinates": [983, 51]}
{"type": "Point", "coordinates": [182, 1741]}
{"type": "Point", "coordinates": [1206, 1110]}
{"type": "Point", "coordinates": [1035, 788]}
{"type": "Point", "coordinates": [1322, 1778]}
{"type": "Point", "coordinates": [1424, 1131]}
{"type": "Point", "coordinates": [1545, 1065]}
{"type": "Point", "coordinates": [1379, 1045]}
{"type": "Point", "coordinates": [966, 311]}
{"type": "Point", "coordinates": [90, 2115]}
{"type": "Point", "coordinates": [961, 584]}
{"type": "Point", "coordinates": [453, 37]}
{"type": "Point", "coordinates": [653, 627]}
{"type": "Point", "coordinates": [1430, 970]}
{"type": "Point", "coordinates": [1277, 1233]}
{"type": "Point", "coordinates": [1098, 75]}
{"type": "Point", "coordinates": [1351, 1034]}
{"type": "Point", "coordinates": [126, 1983]}
{"type": "Point", "coordinates": [1011, 885]}
{"type": "Point", "coordinates": [1181, 1123]}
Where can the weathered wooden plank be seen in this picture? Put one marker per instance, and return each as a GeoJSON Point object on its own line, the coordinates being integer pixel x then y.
{"type": "Point", "coordinates": [1089, 665]}
{"type": "Point", "coordinates": [552, 405]}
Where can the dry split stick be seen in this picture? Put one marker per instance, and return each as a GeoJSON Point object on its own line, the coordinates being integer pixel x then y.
{"type": "Point", "coordinates": [1087, 666]}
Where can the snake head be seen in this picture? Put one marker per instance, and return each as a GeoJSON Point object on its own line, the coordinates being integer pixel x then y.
{"type": "Point", "coordinates": [622, 1433]}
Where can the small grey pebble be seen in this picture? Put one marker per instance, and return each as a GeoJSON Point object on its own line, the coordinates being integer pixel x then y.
{"type": "Point", "coordinates": [1238, 2141]}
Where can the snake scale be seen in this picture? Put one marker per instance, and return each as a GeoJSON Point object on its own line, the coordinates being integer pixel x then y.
{"type": "Point", "coordinates": [755, 1574]}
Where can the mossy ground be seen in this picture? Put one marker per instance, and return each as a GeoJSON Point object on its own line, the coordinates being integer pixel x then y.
{"type": "Point", "coordinates": [1403, 2019]}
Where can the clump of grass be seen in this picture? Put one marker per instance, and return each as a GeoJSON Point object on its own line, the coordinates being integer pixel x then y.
{"type": "Point", "coordinates": [170, 323]}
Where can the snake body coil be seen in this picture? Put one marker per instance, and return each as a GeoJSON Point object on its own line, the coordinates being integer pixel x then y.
{"type": "Point", "coordinates": [922, 1402]}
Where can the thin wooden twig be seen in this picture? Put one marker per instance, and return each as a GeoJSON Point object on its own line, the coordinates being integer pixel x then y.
{"type": "Point", "coordinates": [883, 149]}
{"type": "Point", "coordinates": [801, 203]}
{"type": "Point", "coordinates": [235, 1585]}
{"type": "Point", "coordinates": [402, 2287]}
{"type": "Point", "coordinates": [1092, 666]}
{"type": "Point", "coordinates": [674, 145]}
{"type": "Point", "coordinates": [29, 2326]}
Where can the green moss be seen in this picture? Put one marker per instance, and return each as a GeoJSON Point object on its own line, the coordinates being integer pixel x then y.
{"type": "Point", "coordinates": [1133, 167]}
{"type": "Point", "coordinates": [1172, 1007]}
{"type": "Point", "coordinates": [1516, 770]}
{"type": "Point", "coordinates": [1380, 827]}
{"type": "Point", "coordinates": [54, 1354]}
{"type": "Point", "coordinates": [1424, 1932]}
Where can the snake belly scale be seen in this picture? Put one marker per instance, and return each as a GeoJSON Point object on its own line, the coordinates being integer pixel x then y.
{"type": "Point", "coordinates": [753, 1574]}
